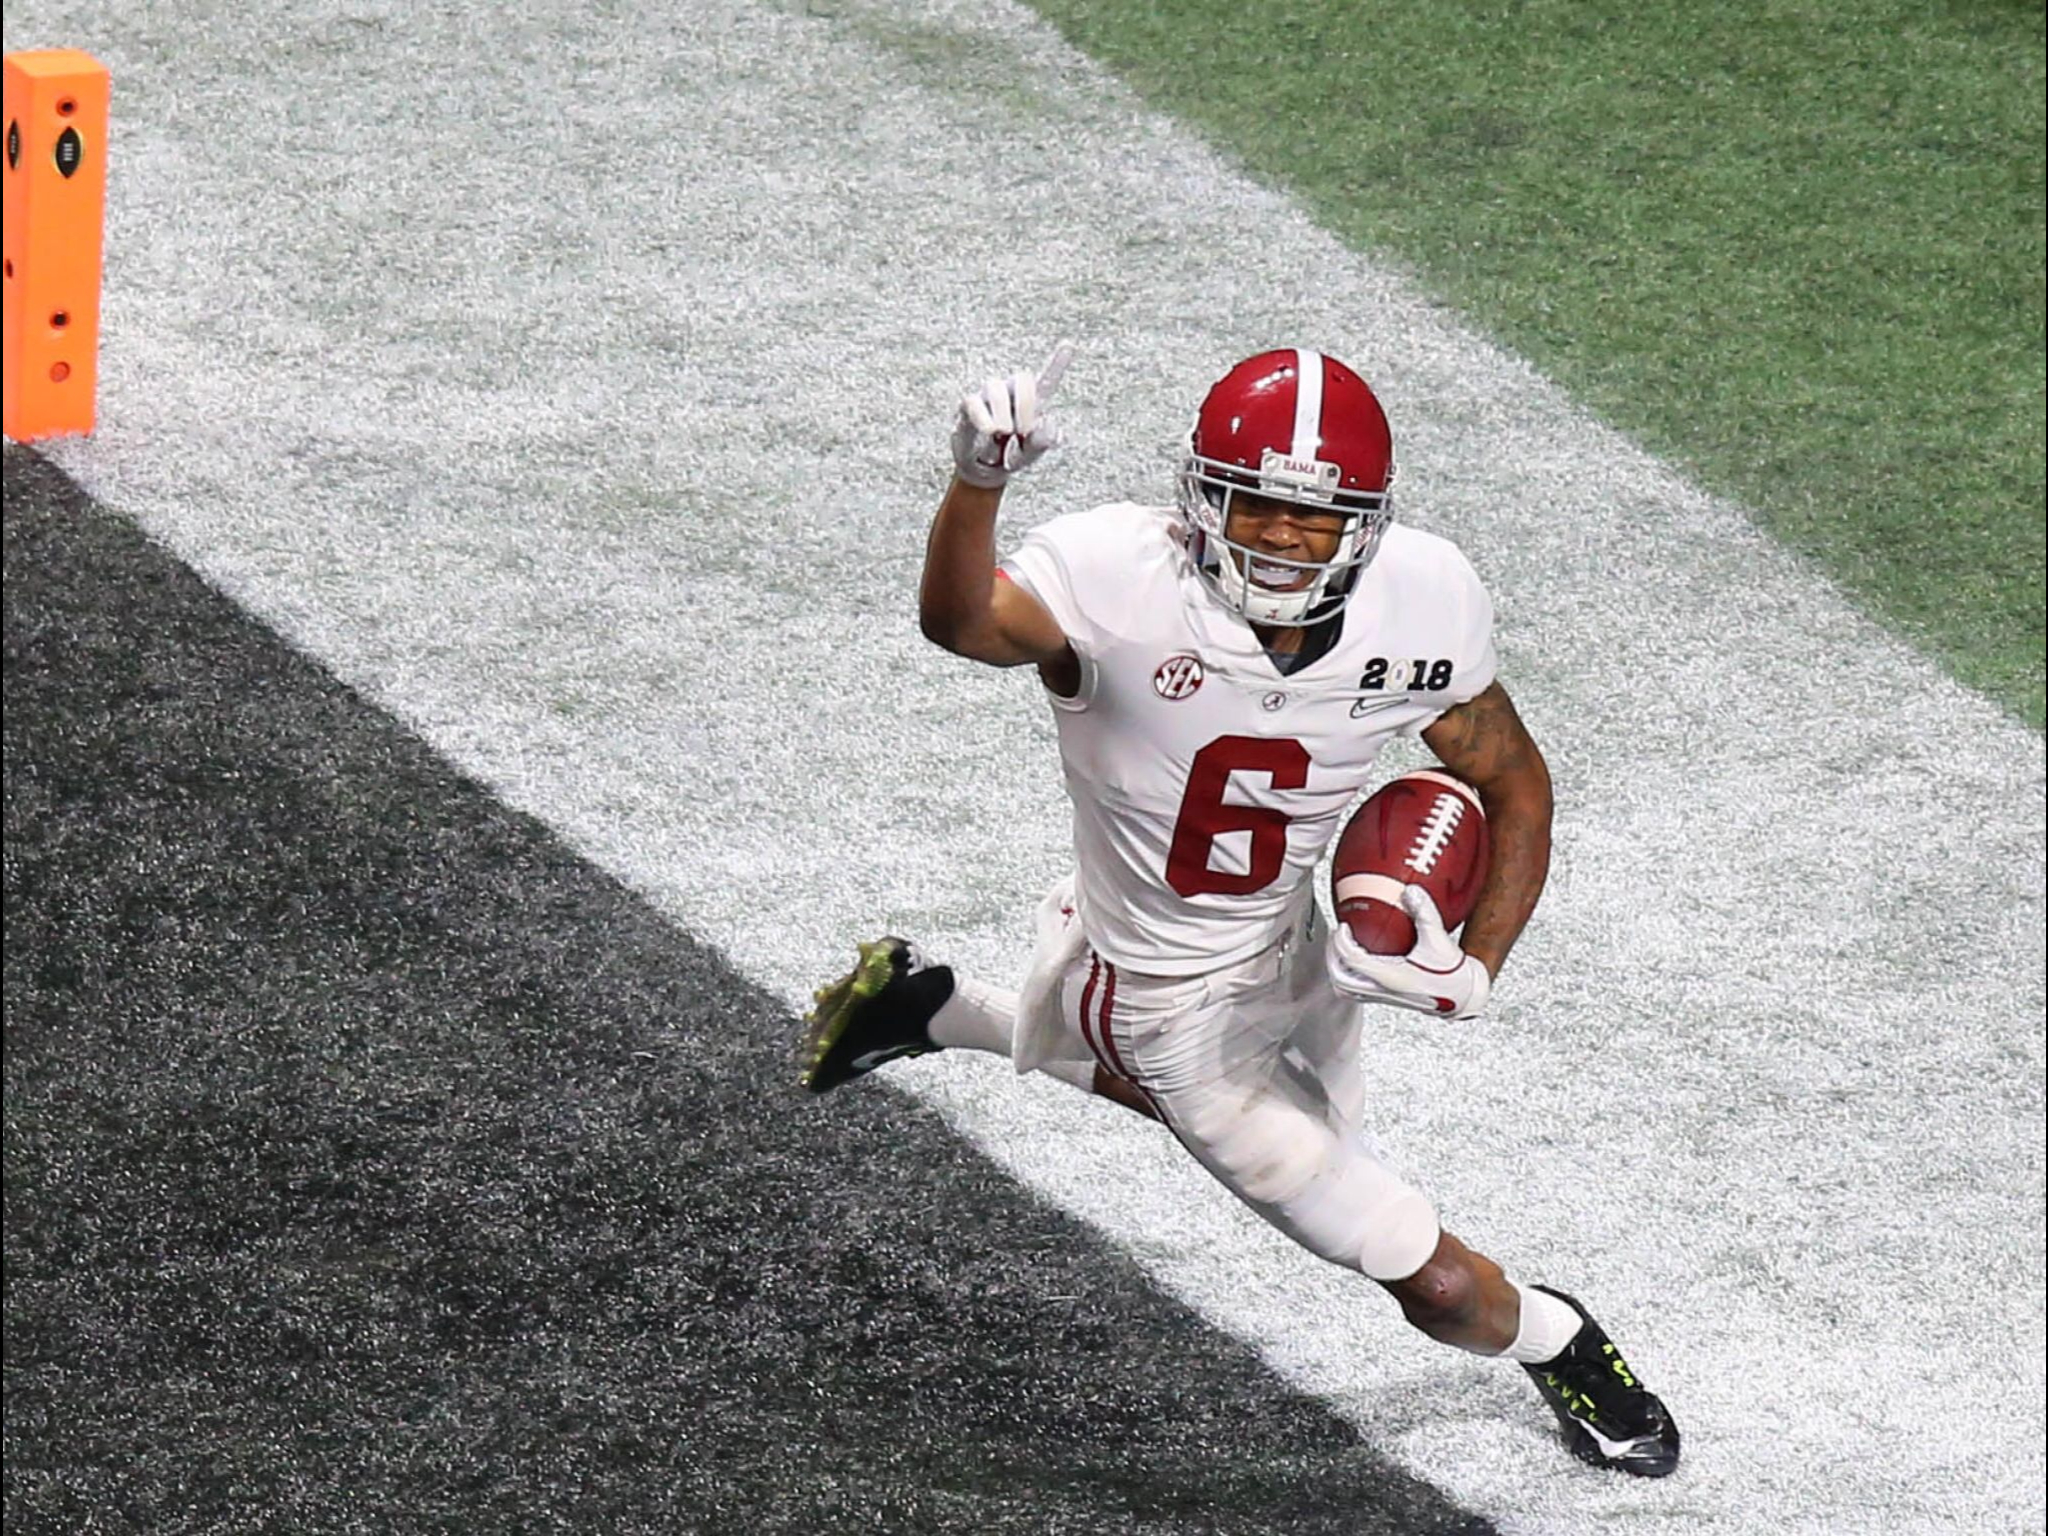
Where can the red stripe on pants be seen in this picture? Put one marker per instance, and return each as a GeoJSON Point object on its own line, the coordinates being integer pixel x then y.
{"type": "Point", "coordinates": [1087, 1008]}
{"type": "Point", "coordinates": [1116, 1060]}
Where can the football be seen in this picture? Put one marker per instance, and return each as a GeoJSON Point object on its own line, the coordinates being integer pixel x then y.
{"type": "Point", "coordinates": [1425, 828]}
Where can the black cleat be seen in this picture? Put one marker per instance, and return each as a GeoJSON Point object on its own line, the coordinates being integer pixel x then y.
{"type": "Point", "coordinates": [876, 1013]}
{"type": "Point", "coordinates": [1610, 1419]}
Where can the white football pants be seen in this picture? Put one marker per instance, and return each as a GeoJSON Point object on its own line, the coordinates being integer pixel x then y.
{"type": "Point", "coordinates": [1256, 1069]}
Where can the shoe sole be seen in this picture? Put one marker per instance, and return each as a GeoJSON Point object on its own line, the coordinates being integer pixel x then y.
{"type": "Point", "coordinates": [825, 1025]}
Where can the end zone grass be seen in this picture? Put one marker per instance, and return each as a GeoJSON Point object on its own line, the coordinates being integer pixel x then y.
{"type": "Point", "coordinates": [1797, 247]}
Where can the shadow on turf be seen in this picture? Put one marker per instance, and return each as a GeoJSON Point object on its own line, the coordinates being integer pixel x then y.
{"type": "Point", "coordinates": [374, 1163]}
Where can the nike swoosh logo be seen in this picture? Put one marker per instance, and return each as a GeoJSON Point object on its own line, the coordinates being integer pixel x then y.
{"type": "Point", "coordinates": [1368, 706]}
{"type": "Point", "coordinates": [1614, 1450]}
{"type": "Point", "coordinates": [870, 1060]}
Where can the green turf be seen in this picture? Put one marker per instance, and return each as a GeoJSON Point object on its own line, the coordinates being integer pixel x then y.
{"type": "Point", "coordinates": [1797, 246]}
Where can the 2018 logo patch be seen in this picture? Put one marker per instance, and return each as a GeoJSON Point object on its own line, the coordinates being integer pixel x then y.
{"type": "Point", "coordinates": [1422, 675]}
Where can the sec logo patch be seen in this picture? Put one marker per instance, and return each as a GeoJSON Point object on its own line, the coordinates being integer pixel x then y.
{"type": "Point", "coordinates": [1178, 677]}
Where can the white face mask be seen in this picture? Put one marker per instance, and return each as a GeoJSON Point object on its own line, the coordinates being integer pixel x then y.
{"type": "Point", "coordinates": [1270, 589]}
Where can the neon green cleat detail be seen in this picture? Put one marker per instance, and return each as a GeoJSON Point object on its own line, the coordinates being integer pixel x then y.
{"type": "Point", "coordinates": [876, 1013]}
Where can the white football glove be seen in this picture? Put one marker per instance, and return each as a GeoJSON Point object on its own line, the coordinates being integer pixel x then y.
{"type": "Point", "coordinates": [1436, 976]}
{"type": "Point", "coordinates": [1001, 430]}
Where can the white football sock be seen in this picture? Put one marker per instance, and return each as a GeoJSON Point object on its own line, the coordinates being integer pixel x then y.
{"type": "Point", "coordinates": [1547, 1326]}
{"type": "Point", "coordinates": [979, 1018]}
{"type": "Point", "coordinates": [975, 1018]}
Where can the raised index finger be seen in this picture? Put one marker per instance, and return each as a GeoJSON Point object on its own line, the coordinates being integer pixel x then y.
{"type": "Point", "coordinates": [1049, 375]}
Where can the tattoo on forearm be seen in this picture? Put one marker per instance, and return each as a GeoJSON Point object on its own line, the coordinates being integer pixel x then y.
{"type": "Point", "coordinates": [1483, 740]}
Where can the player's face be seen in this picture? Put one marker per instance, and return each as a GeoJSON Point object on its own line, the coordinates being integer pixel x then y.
{"type": "Point", "coordinates": [1286, 530]}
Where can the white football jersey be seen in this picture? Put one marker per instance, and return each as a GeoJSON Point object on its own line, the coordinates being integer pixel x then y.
{"type": "Point", "coordinates": [1206, 783]}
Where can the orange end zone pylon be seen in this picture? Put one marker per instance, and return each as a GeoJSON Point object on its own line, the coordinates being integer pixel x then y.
{"type": "Point", "coordinates": [56, 203]}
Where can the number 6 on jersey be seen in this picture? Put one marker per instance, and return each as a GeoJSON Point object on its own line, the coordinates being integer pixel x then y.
{"type": "Point", "coordinates": [1205, 815]}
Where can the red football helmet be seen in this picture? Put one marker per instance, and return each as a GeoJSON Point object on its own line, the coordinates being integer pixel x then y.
{"type": "Point", "coordinates": [1291, 425]}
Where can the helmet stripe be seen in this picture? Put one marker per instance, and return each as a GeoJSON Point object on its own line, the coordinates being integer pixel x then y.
{"type": "Point", "coordinates": [1308, 404]}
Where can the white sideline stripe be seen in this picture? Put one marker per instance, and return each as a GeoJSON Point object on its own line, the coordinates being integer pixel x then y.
{"type": "Point", "coordinates": [524, 439]}
{"type": "Point", "coordinates": [1308, 404]}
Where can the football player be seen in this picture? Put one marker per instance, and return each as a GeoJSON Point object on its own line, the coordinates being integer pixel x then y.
{"type": "Point", "coordinates": [1223, 672]}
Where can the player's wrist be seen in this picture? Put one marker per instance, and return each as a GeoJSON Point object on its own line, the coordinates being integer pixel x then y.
{"type": "Point", "coordinates": [967, 495]}
{"type": "Point", "coordinates": [980, 478]}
